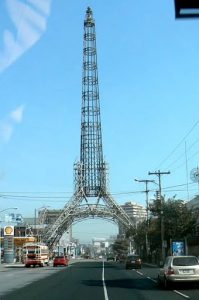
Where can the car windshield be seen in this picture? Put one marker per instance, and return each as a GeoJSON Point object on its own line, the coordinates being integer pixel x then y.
{"type": "Point", "coordinates": [133, 257]}
{"type": "Point", "coordinates": [185, 261]}
{"type": "Point", "coordinates": [58, 257]}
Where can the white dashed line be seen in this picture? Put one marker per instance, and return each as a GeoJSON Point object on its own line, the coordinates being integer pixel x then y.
{"type": "Point", "coordinates": [175, 291]}
{"type": "Point", "coordinates": [181, 294]}
{"type": "Point", "coordinates": [152, 279]}
{"type": "Point", "coordinates": [139, 273]}
{"type": "Point", "coordinates": [104, 284]}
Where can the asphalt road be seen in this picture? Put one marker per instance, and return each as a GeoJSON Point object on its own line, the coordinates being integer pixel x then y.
{"type": "Point", "coordinates": [90, 280]}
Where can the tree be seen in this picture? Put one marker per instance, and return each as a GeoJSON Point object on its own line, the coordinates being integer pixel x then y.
{"type": "Point", "coordinates": [120, 247]}
{"type": "Point", "coordinates": [179, 221]}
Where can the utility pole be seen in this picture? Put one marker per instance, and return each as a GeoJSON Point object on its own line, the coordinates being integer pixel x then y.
{"type": "Point", "coordinates": [159, 174]}
{"type": "Point", "coordinates": [146, 181]}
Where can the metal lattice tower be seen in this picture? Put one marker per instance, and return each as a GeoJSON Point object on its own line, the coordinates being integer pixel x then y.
{"type": "Point", "coordinates": [91, 198]}
{"type": "Point", "coordinates": [91, 156]}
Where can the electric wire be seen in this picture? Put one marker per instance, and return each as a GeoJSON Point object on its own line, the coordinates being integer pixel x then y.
{"type": "Point", "coordinates": [182, 156]}
{"type": "Point", "coordinates": [188, 159]}
{"type": "Point", "coordinates": [11, 196]}
{"type": "Point", "coordinates": [178, 145]}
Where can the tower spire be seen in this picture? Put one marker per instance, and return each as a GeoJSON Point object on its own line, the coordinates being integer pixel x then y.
{"type": "Point", "coordinates": [91, 155]}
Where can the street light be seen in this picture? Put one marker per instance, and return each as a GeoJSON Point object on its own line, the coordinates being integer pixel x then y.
{"type": "Point", "coordinates": [41, 219]}
{"type": "Point", "coordinates": [1, 228]}
{"type": "Point", "coordinates": [8, 209]}
{"type": "Point", "coordinates": [159, 174]}
{"type": "Point", "coordinates": [146, 181]}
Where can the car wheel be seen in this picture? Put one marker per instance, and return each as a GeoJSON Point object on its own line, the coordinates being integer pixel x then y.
{"type": "Point", "coordinates": [166, 283]}
{"type": "Point", "coordinates": [159, 283]}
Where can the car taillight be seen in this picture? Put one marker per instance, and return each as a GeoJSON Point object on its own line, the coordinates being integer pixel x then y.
{"type": "Point", "coordinates": [170, 271]}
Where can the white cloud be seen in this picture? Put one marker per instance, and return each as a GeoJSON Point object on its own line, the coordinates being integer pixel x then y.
{"type": "Point", "coordinates": [30, 20]}
{"type": "Point", "coordinates": [6, 130]}
{"type": "Point", "coordinates": [44, 6]}
{"type": "Point", "coordinates": [17, 114]}
{"type": "Point", "coordinates": [7, 125]}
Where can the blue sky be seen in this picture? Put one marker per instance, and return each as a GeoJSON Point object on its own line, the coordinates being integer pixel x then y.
{"type": "Point", "coordinates": [148, 71]}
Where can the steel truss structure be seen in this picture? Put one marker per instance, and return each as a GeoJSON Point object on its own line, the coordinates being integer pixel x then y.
{"type": "Point", "coordinates": [91, 198]}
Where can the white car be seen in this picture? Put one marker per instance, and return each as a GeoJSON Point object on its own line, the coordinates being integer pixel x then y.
{"type": "Point", "coordinates": [179, 269]}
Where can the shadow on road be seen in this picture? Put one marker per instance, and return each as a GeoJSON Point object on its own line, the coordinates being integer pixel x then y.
{"type": "Point", "coordinates": [121, 283]}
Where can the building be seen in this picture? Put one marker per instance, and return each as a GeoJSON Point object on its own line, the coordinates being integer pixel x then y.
{"type": "Point", "coordinates": [135, 211]}
{"type": "Point", "coordinates": [100, 246]}
{"type": "Point", "coordinates": [194, 203]}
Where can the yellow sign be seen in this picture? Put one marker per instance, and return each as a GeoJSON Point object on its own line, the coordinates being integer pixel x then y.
{"type": "Point", "coordinates": [19, 241]}
{"type": "Point", "coordinates": [9, 230]}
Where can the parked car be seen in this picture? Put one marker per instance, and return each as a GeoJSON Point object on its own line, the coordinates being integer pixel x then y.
{"type": "Point", "coordinates": [179, 269]}
{"type": "Point", "coordinates": [60, 260]}
{"type": "Point", "coordinates": [110, 257]}
{"type": "Point", "coordinates": [121, 258]}
{"type": "Point", "coordinates": [133, 262]}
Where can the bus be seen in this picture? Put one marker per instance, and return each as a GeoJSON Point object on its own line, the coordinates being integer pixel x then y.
{"type": "Point", "coordinates": [35, 254]}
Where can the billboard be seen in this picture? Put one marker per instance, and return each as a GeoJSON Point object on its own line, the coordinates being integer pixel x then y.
{"type": "Point", "coordinates": [178, 248]}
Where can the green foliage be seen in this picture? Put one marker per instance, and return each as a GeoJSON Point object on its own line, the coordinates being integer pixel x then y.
{"type": "Point", "coordinates": [179, 222]}
{"type": "Point", "coordinates": [138, 234]}
{"type": "Point", "coordinates": [120, 247]}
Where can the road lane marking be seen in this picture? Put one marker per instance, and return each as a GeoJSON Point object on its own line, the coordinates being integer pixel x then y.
{"type": "Point", "coordinates": [181, 294]}
{"type": "Point", "coordinates": [152, 279]}
{"type": "Point", "coordinates": [155, 281]}
{"type": "Point", "coordinates": [139, 273]}
{"type": "Point", "coordinates": [104, 284]}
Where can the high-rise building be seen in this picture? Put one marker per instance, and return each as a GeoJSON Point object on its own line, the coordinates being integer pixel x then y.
{"type": "Point", "coordinates": [135, 211]}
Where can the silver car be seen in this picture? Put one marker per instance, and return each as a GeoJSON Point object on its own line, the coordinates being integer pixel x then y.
{"type": "Point", "coordinates": [179, 269]}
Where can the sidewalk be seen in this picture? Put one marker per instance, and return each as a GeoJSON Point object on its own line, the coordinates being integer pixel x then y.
{"type": "Point", "coordinates": [4, 266]}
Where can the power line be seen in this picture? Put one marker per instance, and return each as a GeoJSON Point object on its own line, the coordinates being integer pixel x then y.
{"type": "Point", "coordinates": [182, 140]}
{"type": "Point", "coordinates": [182, 155]}
{"type": "Point", "coordinates": [34, 197]}
{"type": "Point", "coordinates": [38, 198]}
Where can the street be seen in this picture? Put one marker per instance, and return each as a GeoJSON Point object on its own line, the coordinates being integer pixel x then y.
{"type": "Point", "coordinates": [89, 280]}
